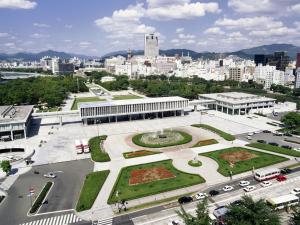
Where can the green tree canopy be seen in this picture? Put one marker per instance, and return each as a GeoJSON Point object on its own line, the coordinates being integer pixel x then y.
{"type": "Point", "coordinates": [291, 119]}
{"type": "Point", "coordinates": [6, 167]}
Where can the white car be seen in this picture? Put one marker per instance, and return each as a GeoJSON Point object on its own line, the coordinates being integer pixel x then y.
{"type": "Point", "coordinates": [227, 188]}
{"type": "Point", "coordinates": [50, 175]}
{"type": "Point", "coordinates": [250, 134]}
{"type": "Point", "coordinates": [257, 132]}
{"type": "Point", "coordinates": [244, 183]}
{"type": "Point", "coordinates": [200, 195]}
{"type": "Point", "coordinates": [266, 183]}
{"type": "Point", "coordinates": [174, 222]}
{"type": "Point", "coordinates": [249, 188]}
{"type": "Point", "coordinates": [295, 191]}
{"type": "Point", "coordinates": [249, 137]}
{"type": "Point", "coordinates": [297, 149]}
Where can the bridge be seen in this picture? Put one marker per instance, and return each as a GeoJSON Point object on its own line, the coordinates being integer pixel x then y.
{"type": "Point", "coordinates": [201, 102]}
{"type": "Point", "coordinates": [58, 114]}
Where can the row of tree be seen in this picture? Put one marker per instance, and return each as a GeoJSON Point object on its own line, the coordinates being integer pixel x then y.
{"type": "Point", "coordinates": [27, 70]}
{"type": "Point", "coordinates": [247, 212]}
{"type": "Point", "coordinates": [41, 90]}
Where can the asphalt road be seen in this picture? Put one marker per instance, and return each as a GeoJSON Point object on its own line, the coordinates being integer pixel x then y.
{"type": "Point", "coordinates": [62, 196]}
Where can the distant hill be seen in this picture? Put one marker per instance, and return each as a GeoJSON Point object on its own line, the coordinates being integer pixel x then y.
{"type": "Point", "coordinates": [25, 56]}
{"type": "Point", "coordinates": [244, 53]}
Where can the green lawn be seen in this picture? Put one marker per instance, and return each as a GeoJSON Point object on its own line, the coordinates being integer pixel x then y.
{"type": "Point", "coordinates": [276, 149]}
{"type": "Point", "coordinates": [186, 139]}
{"type": "Point", "coordinates": [85, 99]}
{"type": "Point", "coordinates": [205, 143]}
{"type": "Point", "coordinates": [98, 155]}
{"type": "Point", "coordinates": [54, 109]}
{"type": "Point", "coordinates": [125, 97]}
{"type": "Point", "coordinates": [91, 187]}
{"type": "Point", "coordinates": [129, 192]}
{"type": "Point", "coordinates": [262, 160]}
{"type": "Point", "coordinates": [140, 153]}
{"type": "Point", "coordinates": [195, 164]}
{"type": "Point", "coordinates": [226, 136]}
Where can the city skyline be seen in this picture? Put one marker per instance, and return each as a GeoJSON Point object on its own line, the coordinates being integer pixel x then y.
{"type": "Point", "coordinates": [34, 26]}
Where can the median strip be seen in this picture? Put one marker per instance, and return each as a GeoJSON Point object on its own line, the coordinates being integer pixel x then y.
{"type": "Point", "coordinates": [39, 200]}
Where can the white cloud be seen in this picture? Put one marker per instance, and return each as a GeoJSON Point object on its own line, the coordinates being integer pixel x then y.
{"type": "Point", "coordinates": [84, 44]}
{"type": "Point", "coordinates": [38, 35]}
{"type": "Point", "coordinates": [67, 40]}
{"type": "Point", "coordinates": [186, 36]}
{"type": "Point", "coordinates": [295, 8]}
{"type": "Point", "coordinates": [179, 9]}
{"type": "Point", "coordinates": [251, 6]}
{"type": "Point", "coordinates": [250, 23]}
{"type": "Point", "coordinates": [174, 41]}
{"type": "Point", "coordinates": [4, 35]}
{"type": "Point", "coordinates": [42, 25]}
{"type": "Point", "coordinates": [68, 26]}
{"type": "Point", "coordinates": [179, 30]}
{"type": "Point", "coordinates": [280, 31]}
{"type": "Point", "coordinates": [214, 30]}
{"type": "Point", "coordinates": [10, 45]}
{"type": "Point", "coordinates": [17, 4]}
{"type": "Point", "coordinates": [125, 23]}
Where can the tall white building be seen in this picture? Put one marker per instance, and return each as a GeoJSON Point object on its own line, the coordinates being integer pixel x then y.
{"type": "Point", "coordinates": [268, 75]}
{"type": "Point", "coordinates": [151, 45]}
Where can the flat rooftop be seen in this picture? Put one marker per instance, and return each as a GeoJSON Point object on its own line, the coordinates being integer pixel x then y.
{"type": "Point", "coordinates": [236, 97]}
{"type": "Point", "coordinates": [130, 102]}
{"type": "Point", "coordinates": [15, 114]}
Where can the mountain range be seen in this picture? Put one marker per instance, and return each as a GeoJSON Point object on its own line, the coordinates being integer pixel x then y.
{"type": "Point", "coordinates": [244, 53]}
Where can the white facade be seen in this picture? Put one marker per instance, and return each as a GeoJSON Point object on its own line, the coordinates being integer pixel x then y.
{"type": "Point", "coordinates": [127, 109]}
{"type": "Point", "coordinates": [297, 81]}
{"type": "Point", "coordinates": [151, 46]}
{"type": "Point", "coordinates": [268, 75]}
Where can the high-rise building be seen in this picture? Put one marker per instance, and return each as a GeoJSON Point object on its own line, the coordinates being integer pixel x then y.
{"type": "Point", "coordinates": [260, 59]}
{"type": "Point", "coordinates": [297, 80]}
{"type": "Point", "coordinates": [235, 73]}
{"type": "Point", "coordinates": [280, 59]}
{"type": "Point", "coordinates": [151, 45]}
{"type": "Point", "coordinates": [298, 61]}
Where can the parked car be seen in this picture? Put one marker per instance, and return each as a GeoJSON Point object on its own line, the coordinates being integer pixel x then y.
{"type": "Point", "coordinates": [266, 131]}
{"type": "Point", "coordinates": [185, 199]}
{"type": "Point", "coordinates": [296, 191]}
{"type": "Point", "coordinates": [285, 171]}
{"type": "Point", "coordinates": [200, 195]}
{"type": "Point", "coordinates": [278, 134]}
{"type": "Point", "coordinates": [249, 137]}
{"type": "Point", "coordinates": [266, 183]}
{"type": "Point", "coordinates": [227, 188]}
{"type": "Point", "coordinates": [261, 141]}
{"type": "Point", "coordinates": [286, 146]}
{"type": "Point", "coordinates": [50, 175]}
{"type": "Point", "coordinates": [281, 178]}
{"type": "Point", "coordinates": [236, 202]}
{"type": "Point", "coordinates": [250, 134]}
{"type": "Point", "coordinates": [249, 188]}
{"type": "Point", "coordinates": [288, 134]}
{"type": "Point", "coordinates": [297, 149]}
{"type": "Point", "coordinates": [244, 183]}
{"type": "Point", "coordinates": [174, 222]}
{"type": "Point", "coordinates": [273, 143]}
{"type": "Point", "coordinates": [257, 132]}
{"type": "Point", "coordinates": [214, 193]}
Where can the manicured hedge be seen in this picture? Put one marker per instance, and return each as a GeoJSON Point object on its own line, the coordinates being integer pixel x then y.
{"type": "Point", "coordinates": [195, 164]}
{"type": "Point", "coordinates": [205, 143]}
{"type": "Point", "coordinates": [140, 153]}
{"type": "Point", "coordinates": [276, 149]}
{"type": "Point", "coordinates": [90, 190]}
{"type": "Point", "coordinates": [98, 155]}
{"type": "Point", "coordinates": [226, 136]}
{"type": "Point", "coordinates": [39, 201]}
{"type": "Point", "coordinates": [186, 139]}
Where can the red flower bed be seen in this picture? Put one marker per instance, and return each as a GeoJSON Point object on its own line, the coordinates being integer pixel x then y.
{"type": "Point", "coordinates": [142, 176]}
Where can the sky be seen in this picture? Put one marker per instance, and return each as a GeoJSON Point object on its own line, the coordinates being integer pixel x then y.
{"type": "Point", "coordinates": [97, 27]}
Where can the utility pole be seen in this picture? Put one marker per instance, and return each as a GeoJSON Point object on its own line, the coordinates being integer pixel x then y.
{"type": "Point", "coordinates": [77, 85]}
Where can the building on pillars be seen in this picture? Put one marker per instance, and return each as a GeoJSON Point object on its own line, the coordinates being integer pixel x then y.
{"type": "Point", "coordinates": [238, 103]}
{"type": "Point", "coordinates": [124, 110]}
{"type": "Point", "coordinates": [14, 121]}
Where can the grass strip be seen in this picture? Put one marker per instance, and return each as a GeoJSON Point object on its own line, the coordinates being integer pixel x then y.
{"type": "Point", "coordinates": [205, 143]}
{"type": "Point", "coordinates": [39, 200]}
{"type": "Point", "coordinates": [195, 164]}
{"type": "Point", "coordinates": [140, 153]}
{"type": "Point", "coordinates": [226, 136]}
{"type": "Point", "coordinates": [276, 149]}
{"type": "Point", "coordinates": [98, 154]}
{"type": "Point", "coordinates": [90, 190]}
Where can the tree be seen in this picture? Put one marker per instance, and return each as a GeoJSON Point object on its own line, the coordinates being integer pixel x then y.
{"type": "Point", "coordinates": [249, 212]}
{"type": "Point", "coordinates": [295, 219]}
{"type": "Point", "coordinates": [202, 215]}
{"type": "Point", "coordinates": [6, 167]}
{"type": "Point", "coordinates": [291, 119]}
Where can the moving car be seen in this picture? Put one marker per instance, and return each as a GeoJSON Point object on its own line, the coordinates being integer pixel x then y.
{"type": "Point", "coordinates": [249, 188]}
{"type": "Point", "coordinates": [174, 222]}
{"type": "Point", "coordinates": [214, 193]}
{"type": "Point", "coordinates": [273, 143]}
{"type": "Point", "coordinates": [200, 195]}
{"type": "Point", "coordinates": [296, 191]}
{"type": "Point", "coordinates": [266, 131]}
{"type": "Point", "coordinates": [281, 178]}
{"type": "Point", "coordinates": [50, 175]}
{"type": "Point", "coordinates": [244, 183]}
{"type": "Point", "coordinates": [266, 183]}
{"type": "Point", "coordinates": [227, 188]}
{"type": "Point", "coordinates": [185, 199]}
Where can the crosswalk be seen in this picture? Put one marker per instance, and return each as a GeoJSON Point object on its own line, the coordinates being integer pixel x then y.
{"type": "Point", "coordinates": [56, 220]}
{"type": "Point", "coordinates": [108, 221]}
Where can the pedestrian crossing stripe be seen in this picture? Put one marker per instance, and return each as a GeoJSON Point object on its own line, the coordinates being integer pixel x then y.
{"type": "Point", "coordinates": [108, 221]}
{"type": "Point", "coordinates": [56, 220]}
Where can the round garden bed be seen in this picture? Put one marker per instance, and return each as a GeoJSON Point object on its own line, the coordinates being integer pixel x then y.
{"type": "Point", "coordinates": [195, 163]}
{"type": "Point", "coordinates": [162, 139]}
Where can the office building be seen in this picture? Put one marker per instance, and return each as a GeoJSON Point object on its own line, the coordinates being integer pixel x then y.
{"type": "Point", "coordinates": [298, 61]}
{"type": "Point", "coordinates": [14, 121]}
{"type": "Point", "coordinates": [235, 73]}
{"type": "Point", "coordinates": [60, 67]}
{"type": "Point", "coordinates": [260, 59]}
{"type": "Point", "coordinates": [237, 103]}
{"type": "Point", "coordinates": [147, 108]}
{"type": "Point", "coordinates": [279, 59]}
{"type": "Point", "coordinates": [151, 46]}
